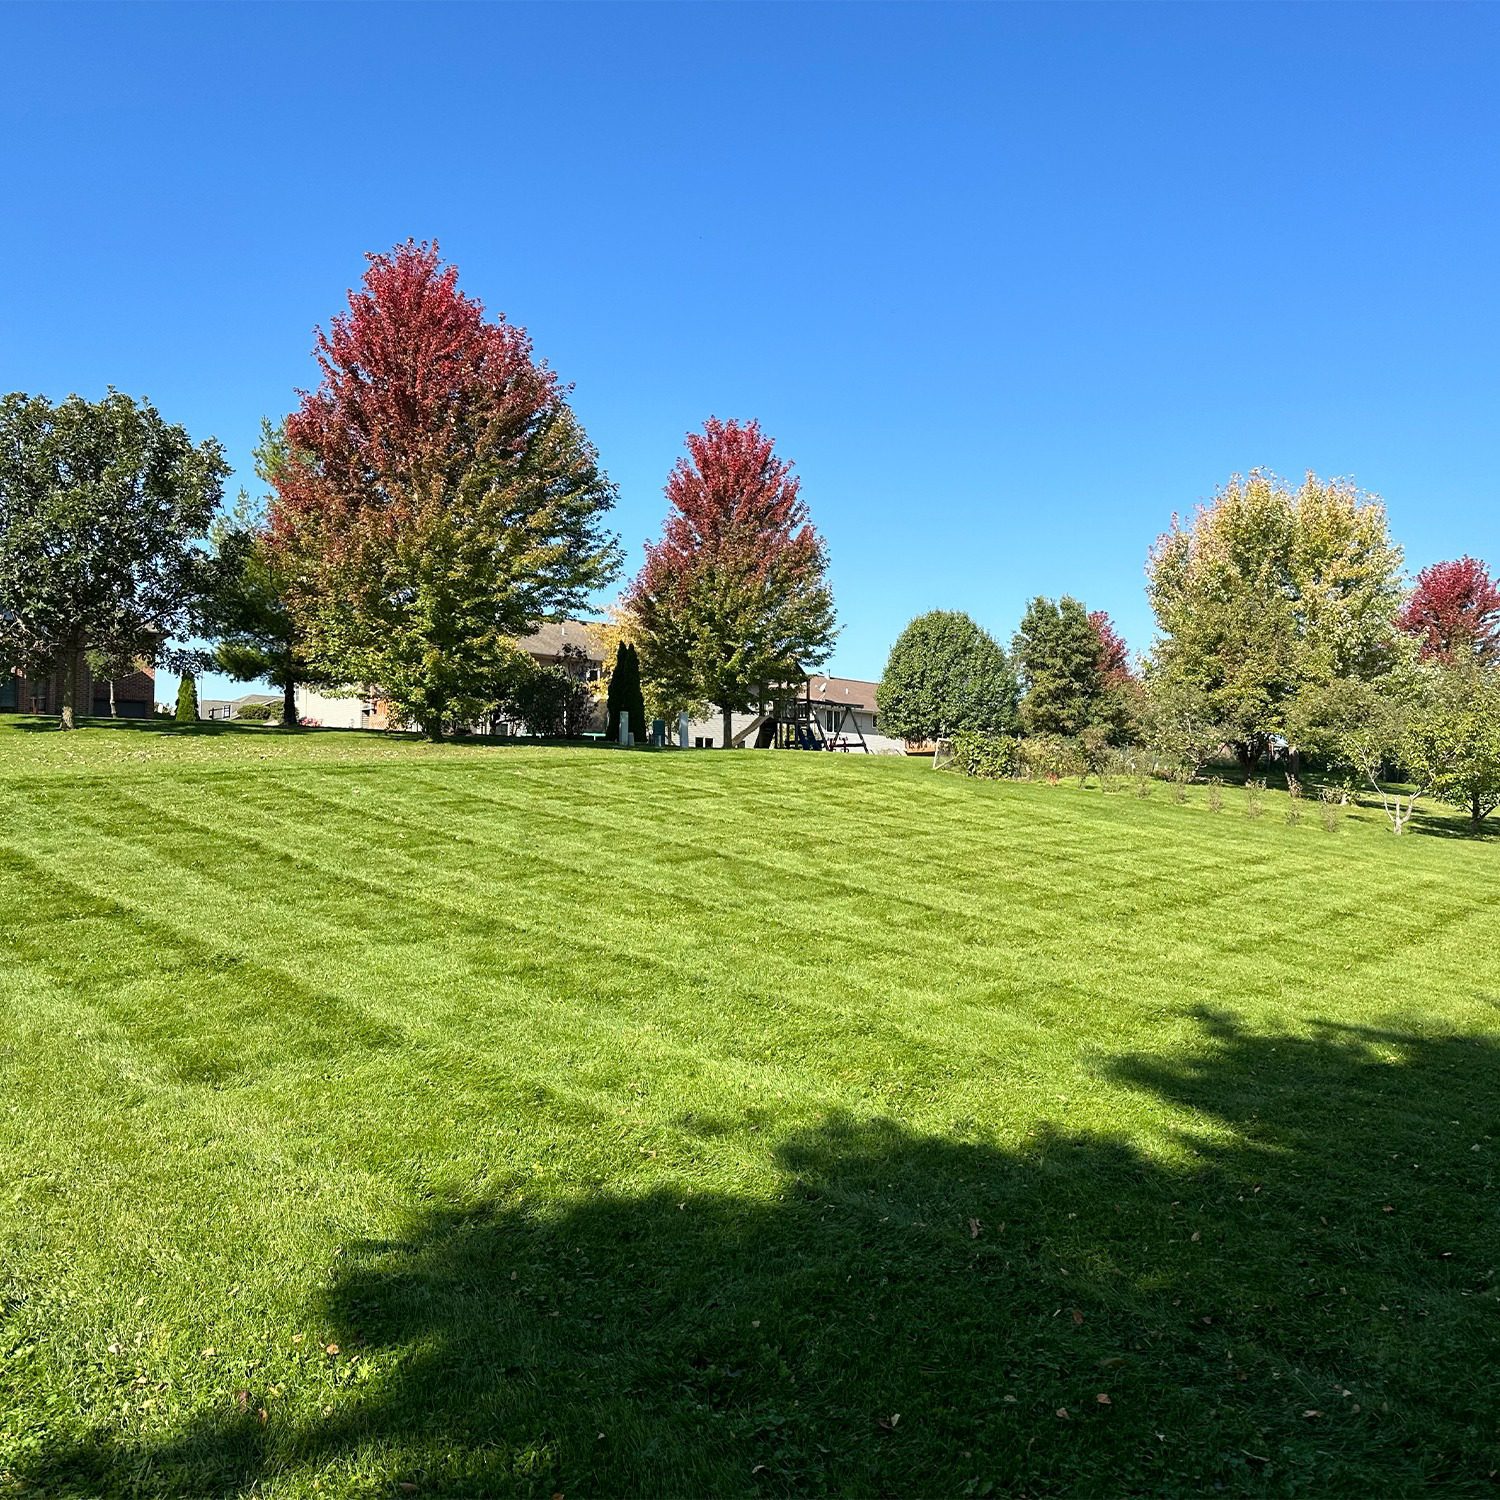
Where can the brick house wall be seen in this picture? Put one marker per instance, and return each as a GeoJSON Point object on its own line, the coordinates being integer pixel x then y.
{"type": "Point", "coordinates": [135, 693]}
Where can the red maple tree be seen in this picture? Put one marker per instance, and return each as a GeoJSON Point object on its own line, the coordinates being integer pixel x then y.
{"type": "Point", "coordinates": [1114, 655]}
{"type": "Point", "coordinates": [1454, 611]}
{"type": "Point", "coordinates": [436, 496]}
{"type": "Point", "coordinates": [733, 595]}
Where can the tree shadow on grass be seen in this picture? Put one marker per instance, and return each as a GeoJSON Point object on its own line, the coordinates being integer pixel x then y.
{"type": "Point", "coordinates": [1295, 1297]}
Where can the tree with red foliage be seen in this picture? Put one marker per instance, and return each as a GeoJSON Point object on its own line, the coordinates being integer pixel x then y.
{"type": "Point", "coordinates": [1454, 612]}
{"type": "Point", "coordinates": [437, 496]}
{"type": "Point", "coordinates": [1114, 655]}
{"type": "Point", "coordinates": [734, 596]}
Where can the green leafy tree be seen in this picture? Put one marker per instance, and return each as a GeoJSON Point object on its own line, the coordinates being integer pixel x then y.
{"type": "Point", "coordinates": [1057, 653]}
{"type": "Point", "coordinates": [1367, 728]}
{"type": "Point", "coordinates": [109, 664]}
{"type": "Point", "coordinates": [1453, 740]}
{"type": "Point", "coordinates": [734, 598]}
{"type": "Point", "coordinates": [1270, 592]}
{"type": "Point", "coordinates": [625, 698]}
{"type": "Point", "coordinates": [102, 505]}
{"type": "Point", "coordinates": [946, 675]}
{"type": "Point", "coordinates": [1178, 724]}
{"type": "Point", "coordinates": [246, 607]}
{"type": "Point", "coordinates": [187, 699]}
{"type": "Point", "coordinates": [436, 499]}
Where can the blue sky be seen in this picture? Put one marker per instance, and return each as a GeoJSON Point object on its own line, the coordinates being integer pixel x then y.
{"type": "Point", "coordinates": [1009, 284]}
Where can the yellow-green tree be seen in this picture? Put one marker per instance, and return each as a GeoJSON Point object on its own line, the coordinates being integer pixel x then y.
{"type": "Point", "coordinates": [1269, 592]}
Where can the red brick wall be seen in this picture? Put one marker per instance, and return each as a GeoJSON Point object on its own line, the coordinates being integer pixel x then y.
{"type": "Point", "coordinates": [135, 694]}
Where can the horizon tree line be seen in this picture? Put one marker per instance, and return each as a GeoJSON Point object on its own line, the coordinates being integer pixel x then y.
{"type": "Point", "coordinates": [435, 497]}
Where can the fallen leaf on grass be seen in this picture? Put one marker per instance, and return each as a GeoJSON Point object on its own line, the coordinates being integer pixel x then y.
{"type": "Point", "coordinates": [1062, 1411]}
{"type": "Point", "coordinates": [1077, 1316]}
{"type": "Point", "coordinates": [1311, 1413]}
{"type": "Point", "coordinates": [1103, 1399]}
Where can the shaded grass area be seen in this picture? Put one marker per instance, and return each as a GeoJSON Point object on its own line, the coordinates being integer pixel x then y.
{"type": "Point", "coordinates": [381, 1118]}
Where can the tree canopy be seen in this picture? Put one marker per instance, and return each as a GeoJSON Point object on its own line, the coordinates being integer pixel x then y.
{"type": "Point", "coordinates": [437, 496]}
{"type": "Point", "coordinates": [1453, 741]}
{"type": "Point", "coordinates": [733, 597]}
{"type": "Point", "coordinates": [1269, 592]}
{"type": "Point", "coordinates": [1061, 656]}
{"type": "Point", "coordinates": [1454, 612]}
{"type": "Point", "coordinates": [945, 674]}
{"type": "Point", "coordinates": [245, 605]}
{"type": "Point", "coordinates": [102, 508]}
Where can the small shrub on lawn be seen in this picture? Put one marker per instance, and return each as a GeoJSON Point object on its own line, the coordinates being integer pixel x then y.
{"type": "Point", "coordinates": [1050, 757]}
{"type": "Point", "coordinates": [258, 713]}
{"type": "Point", "coordinates": [1294, 800]}
{"type": "Point", "coordinates": [1096, 755]}
{"type": "Point", "coordinates": [1178, 780]}
{"type": "Point", "coordinates": [1254, 798]}
{"type": "Point", "coordinates": [991, 757]}
{"type": "Point", "coordinates": [1330, 800]}
{"type": "Point", "coordinates": [1216, 794]}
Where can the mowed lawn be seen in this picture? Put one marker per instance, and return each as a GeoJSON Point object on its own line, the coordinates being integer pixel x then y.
{"type": "Point", "coordinates": [382, 1119]}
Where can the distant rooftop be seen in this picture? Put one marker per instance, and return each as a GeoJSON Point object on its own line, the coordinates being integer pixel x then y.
{"type": "Point", "coordinates": [550, 638]}
{"type": "Point", "coordinates": [851, 690]}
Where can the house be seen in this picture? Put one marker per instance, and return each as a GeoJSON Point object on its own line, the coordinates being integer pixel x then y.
{"type": "Point", "coordinates": [840, 711]}
{"type": "Point", "coordinates": [229, 708]}
{"type": "Point", "coordinates": [568, 644]}
{"type": "Point", "coordinates": [351, 710]}
{"type": "Point", "coordinates": [134, 694]}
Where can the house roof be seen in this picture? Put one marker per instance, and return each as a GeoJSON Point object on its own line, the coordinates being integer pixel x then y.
{"type": "Point", "coordinates": [204, 704]}
{"type": "Point", "coordinates": [845, 690]}
{"type": "Point", "coordinates": [552, 635]}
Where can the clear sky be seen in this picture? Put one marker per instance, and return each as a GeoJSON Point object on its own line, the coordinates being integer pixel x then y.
{"type": "Point", "coordinates": [1011, 285]}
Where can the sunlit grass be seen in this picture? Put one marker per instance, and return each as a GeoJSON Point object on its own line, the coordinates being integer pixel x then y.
{"type": "Point", "coordinates": [498, 1120]}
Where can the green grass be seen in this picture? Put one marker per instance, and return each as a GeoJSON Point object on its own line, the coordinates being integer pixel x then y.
{"type": "Point", "coordinates": [384, 1119]}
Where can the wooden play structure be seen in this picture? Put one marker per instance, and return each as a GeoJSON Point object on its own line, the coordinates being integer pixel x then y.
{"type": "Point", "coordinates": [793, 723]}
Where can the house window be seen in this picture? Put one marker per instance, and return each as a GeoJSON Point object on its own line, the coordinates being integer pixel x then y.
{"type": "Point", "coordinates": [9, 691]}
{"type": "Point", "coordinates": [828, 720]}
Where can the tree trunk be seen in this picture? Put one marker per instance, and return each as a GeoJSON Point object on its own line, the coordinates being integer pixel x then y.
{"type": "Point", "coordinates": [728, 730]}
{"type": "Point", "coordinates": [69, 676]}
{"type": "Point", "coordinates": [289, 703]}
{"type": "Point", "coordinates": [114, 712]}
